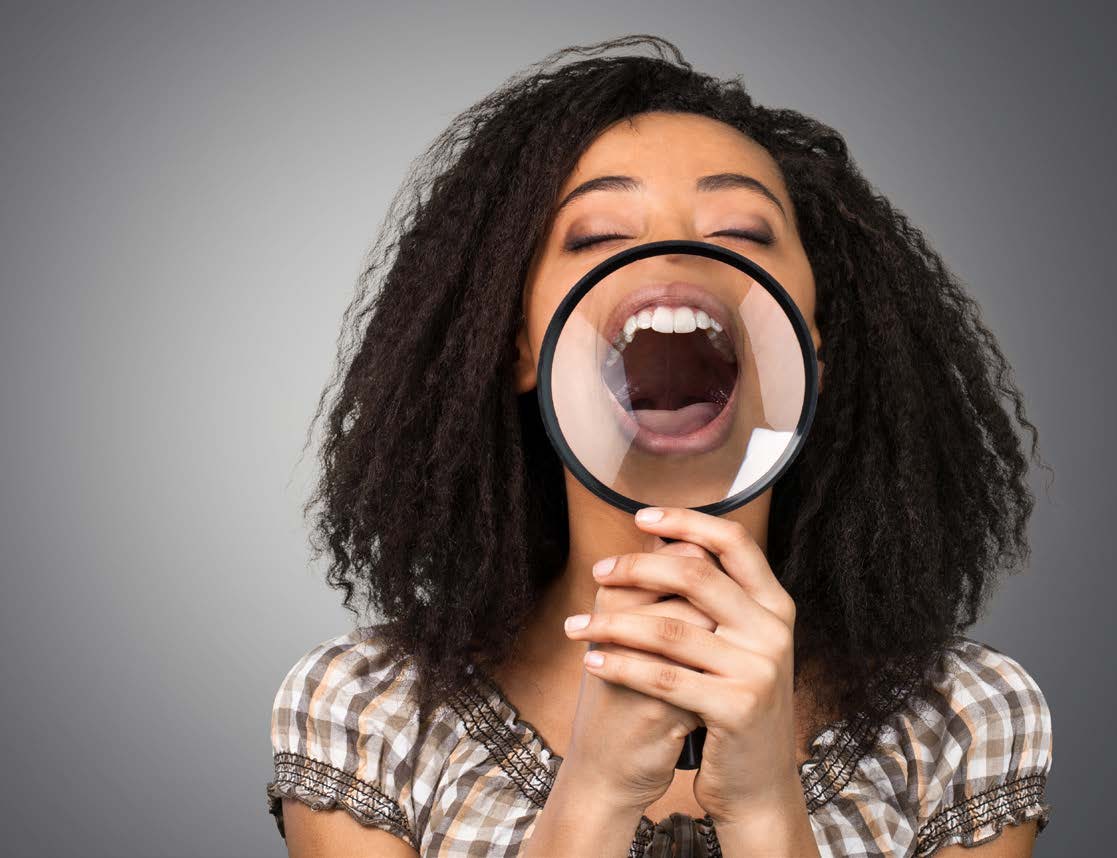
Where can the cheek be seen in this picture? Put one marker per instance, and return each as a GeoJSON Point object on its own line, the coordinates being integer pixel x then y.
{"type": "Point", "coordinates": [540, 304]}
{"type": "Point", "coordinates": [800, 285]}
{"type": "Point", "coordinates": [797, 279]}
{"type": "Point", "coordinates": [543, 294]}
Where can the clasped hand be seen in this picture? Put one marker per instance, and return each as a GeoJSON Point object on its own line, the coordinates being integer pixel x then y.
{"type": "Point", "coordinates": [737, 677]}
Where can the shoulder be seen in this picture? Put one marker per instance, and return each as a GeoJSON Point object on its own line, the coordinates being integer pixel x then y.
{"type": "Point", "coordinates": [345, 733]}
{"type": "Point", "coordinates": [347, 682]}
{"type": "Point", "coordinates": [978, 748]}
{"type": "Point", "coordinates": [955, 763]}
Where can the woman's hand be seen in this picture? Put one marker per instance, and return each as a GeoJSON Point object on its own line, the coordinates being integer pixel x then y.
{"type": "Point", "coordinates": [624, 744]}
{"type": "Point", "coordinates": [736, 677]}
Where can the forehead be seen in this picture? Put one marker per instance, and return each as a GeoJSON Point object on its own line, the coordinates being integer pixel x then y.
{"type": "Point", "coordinates": [664, 148]}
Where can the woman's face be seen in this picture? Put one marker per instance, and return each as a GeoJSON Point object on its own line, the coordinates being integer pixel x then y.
{"type": "Point", "coordinates": [664, 155]}
{"type": "Point", "coordinates": [672, 417]}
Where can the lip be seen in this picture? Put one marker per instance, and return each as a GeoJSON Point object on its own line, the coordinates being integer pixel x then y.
{"type": "Point", "coordinates": [674, 294]}
{"type": "Point", "coordinates": [703, 440]}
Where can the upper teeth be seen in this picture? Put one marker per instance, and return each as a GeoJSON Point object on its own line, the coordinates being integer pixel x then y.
{"type": "Point", "coordinates": [671, 320]}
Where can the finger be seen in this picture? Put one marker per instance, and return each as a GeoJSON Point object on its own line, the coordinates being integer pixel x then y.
{"type": "Point", "coordinates": [675, 639]}
{"type": "Point", "coordinates": [674, 606]}
{"type": "Point", "coordinates": [769, 636]}
{"type": "Point", "coordinates": [704, 585]}
{"type": "Point", "coordinates": [739, 555]}
{"type": "Point", "coordinates": [623, 598]}
{"type": "Point", "coordinates": [672, 683]}
{"type": "Point", "coordinates": [680, 609]}
{"type": "Point", "coordinates": [680, 549]}
{"type": "Point", "coordinates": [628, 598]}
{"type": "Point", "coordinates": [650, 542]}
{"type": "Point", "coordinates": [683, 549]}
{"type": "Point", "coordinates": [671, 606]}
{"type": "Point", "coordinates": [631, 598]}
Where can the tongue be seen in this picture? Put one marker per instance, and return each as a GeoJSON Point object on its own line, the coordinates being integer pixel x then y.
{"type": "Point", "coordinates": [682, 421]}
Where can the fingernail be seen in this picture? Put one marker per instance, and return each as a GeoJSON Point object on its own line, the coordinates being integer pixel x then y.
{"type": "Point", "coordinates": [578, 621]}
{"type": "Point", "coordinates": [594, 658]}
{"type": "Point", "coordinates": [649, 514]}
{"type": "Point", "coordinates": [603, 567]}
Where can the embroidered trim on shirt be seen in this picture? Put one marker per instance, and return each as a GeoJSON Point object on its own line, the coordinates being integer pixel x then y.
{"type": "Point", "coordinates": [854, 740]}
{"type": "Point", "coordinates": [676, 834]}
{"type": "Point", "coordinates": [835, 767]}
{"type": "Point", "coordinates": [709, 835]}
{"type": "Point", "coordinates": [1012, 802]}
{"type": "Point", "coordinates": [485, 724]}
{"type": "Point", "coordinates": [643, 837]}
{"type": "Point", "coordinates": [320, 786]}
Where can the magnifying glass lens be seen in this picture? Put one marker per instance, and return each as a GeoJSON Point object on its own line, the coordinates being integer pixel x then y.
{"type": "Point", "coordinates": [678, 380]}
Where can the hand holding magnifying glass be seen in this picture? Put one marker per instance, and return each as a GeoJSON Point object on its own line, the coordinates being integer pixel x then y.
{"type": "Point", "coordinates": [736, 677]}
{"type": "Point", "coordinates": [678, 374]}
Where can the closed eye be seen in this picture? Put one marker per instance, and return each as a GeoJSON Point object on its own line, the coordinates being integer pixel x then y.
{"type": "Point", "coordinates": [580, 243]}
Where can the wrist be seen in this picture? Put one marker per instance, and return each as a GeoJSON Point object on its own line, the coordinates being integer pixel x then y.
{"type": "Point", "coordinates": [592, 790]}
{"type": "Point", "coordinates": [775, 824]}
{"type": "Point", "coordinates": [581, 817]}
{"type": "Point", "coordinates": [596, 787]}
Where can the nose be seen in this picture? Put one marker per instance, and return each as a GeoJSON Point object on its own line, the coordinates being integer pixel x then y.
{"type": "Point", "coordinates": [675, 229]}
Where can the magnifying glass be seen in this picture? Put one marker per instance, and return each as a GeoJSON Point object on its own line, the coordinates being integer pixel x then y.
{"type": "Point", "coordinates": [677, 373]}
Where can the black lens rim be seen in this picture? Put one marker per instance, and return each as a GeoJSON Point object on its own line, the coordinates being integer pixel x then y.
{"type": "Point", "coordinates": [544, 389]}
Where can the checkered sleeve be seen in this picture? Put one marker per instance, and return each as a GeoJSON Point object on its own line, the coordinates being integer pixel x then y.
{"type": "Point", "coordinates": [994, 753]}
{"type": "Point", "coordinates": [343, 736]}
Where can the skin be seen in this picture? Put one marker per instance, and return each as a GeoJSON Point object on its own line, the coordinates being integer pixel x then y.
{"type": "Point", "coordinates": [737, 625]}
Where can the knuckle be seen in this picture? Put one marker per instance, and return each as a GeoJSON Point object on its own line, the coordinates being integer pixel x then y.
{"type": "Point", "coordinates": [665, 677]}
{"type": "Point", "coordinates": [748, 699]}
{"type": "Point", "coordinates": [788, 608]}
{"type": "Point", "coordinates": [783, 639]}
{"type": "Point", "coordinates": [740, 532]}
{"type": "Point", "coordinates": [669, 629]}
{"type": "Point", "coordinates": [626, 563]}
{"type": "Point", "coordinates": [679, 730]}
{"type": "Point", "coordinates": [768, 671]}
{"type": "Point", "coordinates": [699, 572]}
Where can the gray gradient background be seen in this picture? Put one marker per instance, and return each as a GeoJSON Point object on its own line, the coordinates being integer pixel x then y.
{"type": "Point", "coordinates": [188, 190]}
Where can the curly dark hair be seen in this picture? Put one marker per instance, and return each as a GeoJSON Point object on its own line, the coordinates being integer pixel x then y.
{"type": "Point", "coordinates": [443, 505]}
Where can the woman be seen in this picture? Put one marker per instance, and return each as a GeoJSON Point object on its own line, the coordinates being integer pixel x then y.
{"type": "Point", "coordinates": [846, 712]}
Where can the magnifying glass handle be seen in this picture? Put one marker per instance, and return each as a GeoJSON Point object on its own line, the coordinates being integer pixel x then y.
{"type": "Point", "coordinates": [691, 755]}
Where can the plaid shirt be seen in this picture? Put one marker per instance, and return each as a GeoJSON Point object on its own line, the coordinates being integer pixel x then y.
{"type": "Point", "coordinates": [956, 768]}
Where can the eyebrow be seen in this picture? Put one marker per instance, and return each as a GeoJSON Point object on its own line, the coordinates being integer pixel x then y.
{"type": "Point", "coordinates": [715, 182]}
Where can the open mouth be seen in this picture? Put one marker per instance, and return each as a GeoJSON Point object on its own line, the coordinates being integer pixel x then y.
{"type": "Point", "coordinates": [672, 370]}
